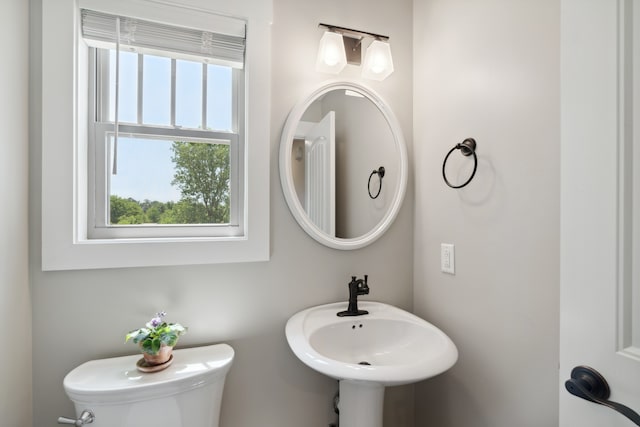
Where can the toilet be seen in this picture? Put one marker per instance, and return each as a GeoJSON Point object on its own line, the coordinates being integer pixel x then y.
{"type": "Point", "coordinates": [186, 394]}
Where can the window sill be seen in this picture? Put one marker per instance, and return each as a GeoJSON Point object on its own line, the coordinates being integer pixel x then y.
{"type": "Point", "coordinates": [123, 253]}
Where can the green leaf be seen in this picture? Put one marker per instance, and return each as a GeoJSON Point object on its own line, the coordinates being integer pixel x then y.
{"type": "Point", "coordinates": [147, 347]}
{"type": "Point", "coordinates": [170, 339]}
{"type": "Point", "coordinates": [137, 335]}
{"type": "Point", "coordinates": [155, 345]}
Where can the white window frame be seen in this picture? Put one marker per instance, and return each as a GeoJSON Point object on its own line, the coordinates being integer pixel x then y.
{"type": "Point", "coordinates": [98, 173]}
{"type": "Point", "coordinates": [65, 242]}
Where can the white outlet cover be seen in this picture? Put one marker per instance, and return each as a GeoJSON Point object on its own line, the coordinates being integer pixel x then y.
{"type": "Point", "coordinates": [447, 258]}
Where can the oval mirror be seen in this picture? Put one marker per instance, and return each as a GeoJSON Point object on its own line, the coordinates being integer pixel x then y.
{"type": "Point", "coordinates": [333, 146]}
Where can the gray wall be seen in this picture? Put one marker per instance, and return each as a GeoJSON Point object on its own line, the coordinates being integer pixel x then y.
{"type": "Point", "coordinates": [490, 70]}
{"type": "Point", "coordinates": [83, 315]}
{"type": "Point", "coordinates": [485, 69]}
{"type": "Point", "coordinates": [15, 307]}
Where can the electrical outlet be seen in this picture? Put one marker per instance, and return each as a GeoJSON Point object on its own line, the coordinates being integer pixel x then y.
{"type": "Point", "coordinates": [447, 258]}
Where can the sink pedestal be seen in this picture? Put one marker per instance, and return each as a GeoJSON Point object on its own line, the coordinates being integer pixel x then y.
{"type": "Point", "coordinates": [361, 404]}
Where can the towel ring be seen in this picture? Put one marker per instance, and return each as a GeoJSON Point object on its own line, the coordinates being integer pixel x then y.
{"type": "Point", "coordinates": [380, 173]}
{"type": "Point", "coordinates": [467, 148]}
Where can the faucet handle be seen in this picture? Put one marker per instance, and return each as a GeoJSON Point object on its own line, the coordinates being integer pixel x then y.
{"type": "Point", "coordinates": [362, 288]}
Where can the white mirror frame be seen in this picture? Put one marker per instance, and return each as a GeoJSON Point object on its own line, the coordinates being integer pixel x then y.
{"type": "Point", "coordinates": [286, 175]}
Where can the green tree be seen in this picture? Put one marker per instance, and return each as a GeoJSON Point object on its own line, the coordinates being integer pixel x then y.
{"type": "Point", "coordinates": [184, 212]}
{"type": "Point", "coordinates": [154, 210]}
{"type": "Point", "coordinates": [202, 176]}
{"type": "Point", "coordinates": [126, 211]}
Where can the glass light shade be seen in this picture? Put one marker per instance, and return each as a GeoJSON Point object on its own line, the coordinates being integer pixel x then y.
{"type": "Point", "coordinates": [378, 63]}
{"type": "Point", "coordinates": [331, 56]}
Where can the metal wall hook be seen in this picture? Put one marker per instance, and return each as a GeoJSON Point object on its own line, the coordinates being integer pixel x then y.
{"type": "Point", "coordinates": [589, 384]}
{"type": "Point", "coordinates": [380, 172]}
{"type": "Point", "coordinates": [467, 148]}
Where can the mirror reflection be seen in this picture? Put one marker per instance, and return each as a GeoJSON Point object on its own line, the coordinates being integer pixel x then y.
{"type": "Point", "coordinates": [340, 139]}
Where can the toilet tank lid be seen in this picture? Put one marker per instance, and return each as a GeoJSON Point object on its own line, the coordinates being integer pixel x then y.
{"type": "Point", "coordinates": [117, 379]}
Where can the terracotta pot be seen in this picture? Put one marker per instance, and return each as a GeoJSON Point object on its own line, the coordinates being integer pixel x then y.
{"type": "Point", "coordinates": [161, 357]}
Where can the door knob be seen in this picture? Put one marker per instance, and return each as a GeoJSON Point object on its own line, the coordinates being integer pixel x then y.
{"type": "Point", "coordinates": [589, 384]}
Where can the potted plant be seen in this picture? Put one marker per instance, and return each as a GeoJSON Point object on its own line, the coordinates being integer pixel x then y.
{"type": "Point", "coordinates": [157, 339]}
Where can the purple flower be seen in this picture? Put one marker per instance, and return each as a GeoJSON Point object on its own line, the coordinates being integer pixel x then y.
{"type": "Point", "coordinates": [156, 321]}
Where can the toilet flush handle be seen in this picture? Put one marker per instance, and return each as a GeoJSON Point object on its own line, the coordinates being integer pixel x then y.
{"type": "Point", "coordinates": [86, 417]}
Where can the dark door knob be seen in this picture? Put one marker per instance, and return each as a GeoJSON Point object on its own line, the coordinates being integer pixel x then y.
{"type": "Point", "coordinates": [589, 384]}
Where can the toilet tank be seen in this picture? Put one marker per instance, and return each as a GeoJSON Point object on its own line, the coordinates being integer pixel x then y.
{"type": "Point", "coordinates": [186, 394]}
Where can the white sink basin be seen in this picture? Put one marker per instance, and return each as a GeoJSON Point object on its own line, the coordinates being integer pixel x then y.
{"type": "Point", "coordinates": [388, 346]}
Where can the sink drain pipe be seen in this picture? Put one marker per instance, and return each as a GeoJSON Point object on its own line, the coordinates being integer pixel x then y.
{"type": "Point", "coordinates": [336, 408]}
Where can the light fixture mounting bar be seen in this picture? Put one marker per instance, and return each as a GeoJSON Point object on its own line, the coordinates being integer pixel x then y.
{"type": "Point", "coordinates": [353, 33]}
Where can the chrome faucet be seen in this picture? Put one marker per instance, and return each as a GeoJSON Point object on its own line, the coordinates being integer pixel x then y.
{"type": "Point", "coordinates": [356, 287]}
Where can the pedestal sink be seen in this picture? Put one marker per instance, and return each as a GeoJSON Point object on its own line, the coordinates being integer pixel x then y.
{"type": "Point", "coordinates": [386, 347]}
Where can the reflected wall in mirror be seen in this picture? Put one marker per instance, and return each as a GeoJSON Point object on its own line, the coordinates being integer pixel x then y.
{"type": "Point", "coordinates": [331, 143]}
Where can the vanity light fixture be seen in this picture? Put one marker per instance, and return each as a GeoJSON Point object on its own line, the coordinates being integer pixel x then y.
{"type": "Point", "coordinates": [340, 46]}
{"type": "Point", "coordinates": [378, 63]}
{"type": "Point", "coordinates": [331, 53]}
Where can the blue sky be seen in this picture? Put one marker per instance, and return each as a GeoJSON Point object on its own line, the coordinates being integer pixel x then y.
{"type": "Point", "coordinates": [144, 167]}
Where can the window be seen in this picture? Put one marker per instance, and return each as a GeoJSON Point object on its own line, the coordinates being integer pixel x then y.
{"type": "Point", "coordinates": [165, 120]}
{"type": "Point", "coordinates": [175, 105]}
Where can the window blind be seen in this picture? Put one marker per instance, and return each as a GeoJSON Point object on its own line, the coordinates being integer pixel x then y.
{"type": "Point", "coordinates": [101, 30]}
